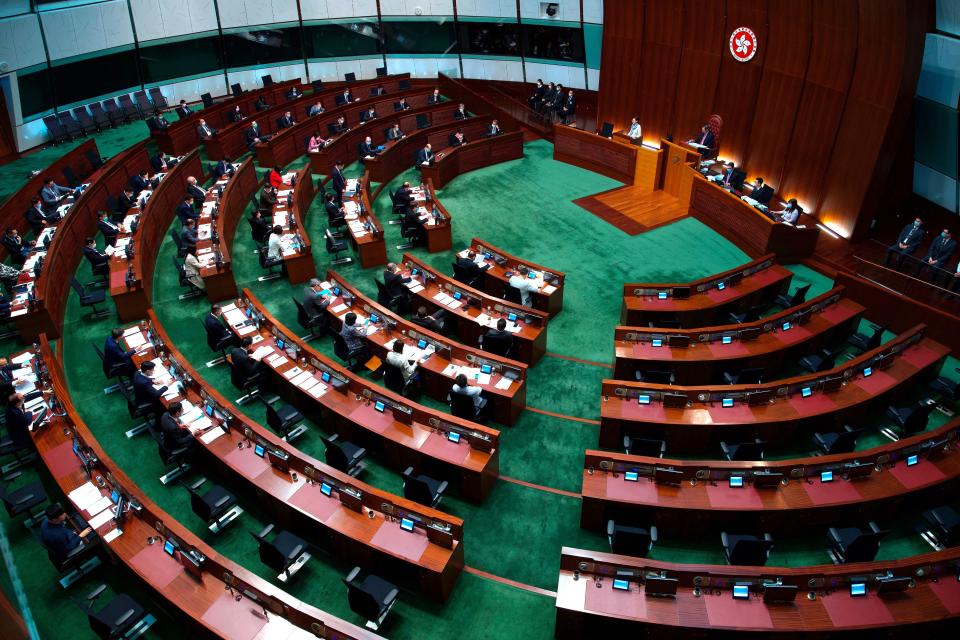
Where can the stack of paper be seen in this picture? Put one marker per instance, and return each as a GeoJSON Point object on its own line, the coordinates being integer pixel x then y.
{"type": "Point", "coordinates": [261, 352]}
{"type": "Point", "coordinates": [212, 435]}
{"type": "Point", "coordinates": [276, 360]}
{"type": "Point", "coordinates": [84, 495]}
{"type": "Point", "coordinates": [134, 340]}
{"type": "Point", "coordinates": [503, 383]}
{"type": "Point", "coordinates": [292, 373]}
{"type": "Point", "coordinates": [234, 316]}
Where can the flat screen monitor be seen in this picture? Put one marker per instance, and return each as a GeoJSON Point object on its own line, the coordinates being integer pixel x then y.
{"type": "Point", "coordinates": [726, 339]}
{"type": "Point", "coordinates": [726, 402]}
{"type": "Point", "coordinates": [457, 295]}
{"type": "Point", "coordinates": [259, 450]}
{"type": "Point", "coordinates": [663, 475]}
{"type": "Point", "coordinates": [325, 376]}
{"type": "Point", "coordinates": [662, 295]}
{"type": "Point", "coordinates": [512, 317]}
{"type": "Point", "coordinates": [741, 592]}
{"type": "Point", "coordinates": [406, 524]}
{"type": "Point", "coordinates": [453, 436]}
{"type": "Point", "coordinates": [421, 344]}
{"type": "Point", "coordinates": [826, 476]}
{"type": "Point", "coordinates": [681, 293]}
{"type": "Point", "coordinates": [893, 585]}
{"type": "Point", "coordinates": [674, 400]}
{"type": "Point", "coordinates": [721, 285]}
{"type": "Point", "coordinates": [912, 460]}
{"type": "Point", "coordinates": [779, 593]}
{"type": "Point", "coordinates": [806, 392]}
{"type": "Point", "coordinates": [858, 589]}
{"type": "Point", "coordinates": [621, 585]}
{"type": "Point", "coordinates": [208, 409]}
{"type": "Point", "coordinates": [631, 476]}
{"type": "Point", "coordinates": [858, 470]}
{"type": "Point", "coordinates": [485, 368]}
{"type": "Point", "coordinates": [867, 372]}
{"type": "Point", "coordinates": [786, 326]}
{"type": "Point", "coordinates": [379, 406]}
{"type": "Point", "coordinates": [374, 318]}
{"type": "Point", "coordinates": [736, 481]}
{"type": "Point", "coordinates": [767, 479]}
{"type": "Point", "coordinates": [656, 342]}
{"type": "Point", "coordinates": [169, 547]}
{"type": "Point", "coordinates": [643, 399]}
{"type": "Point", "coordinates": [658, 586]}
{"type": "Point", "coordinates": [326, 489]}
{"type": "Point", "coordinates": [281, 344]}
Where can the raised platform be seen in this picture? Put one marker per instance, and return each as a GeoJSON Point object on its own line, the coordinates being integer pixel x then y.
{"type": "Point", "coordinates": [634, 209]}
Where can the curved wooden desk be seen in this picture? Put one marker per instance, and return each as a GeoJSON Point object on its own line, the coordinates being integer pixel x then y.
{"type": "Point", "coordinates": [181, 136]}
{"type": "Point", "coordinates": [218, 279]}
{"type": "Point", "coordinates": [479, 152]}
{"type": "Point", "coordinates": [435, 290]}
{"type": "Point", "coordinates": [437, 221]}
{"type": "Point", "coordinates": [550, 296]}
{"type": "Point", "coordinates": [13, 208]}
{"type": "Point", "coordinates": [615, 158]}
{"type": "Point", "coordinates": [701, 303]}
{"type": "Point", "coordinates": [45, 314]}
{"type": "Point", "coordinates": [439, 370]}
{"type": "Point", "coordinates": [404, 433]}
{"type": "Point", "coordinates": [700, 356]}
{"type": "Point", "coordinates": [366, 232]}
{"type": "Point", "coordinates": [588, 607]}
{"type": "Point", "coordinates": [131, 278]}
{"type": "Point", "coordinates": [359, 522]}
{"type": "Point", "coordinates": [297, 251]}
{"type": "Point", "coordinates": [196, 582]}
{"type": "Point", "coordinates": [699, 494]}
{"type": "Point", "coordinates": [773, 411]}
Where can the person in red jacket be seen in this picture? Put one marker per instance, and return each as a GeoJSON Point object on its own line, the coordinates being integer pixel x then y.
{"type": "Point", "coordinates": [276, 178]}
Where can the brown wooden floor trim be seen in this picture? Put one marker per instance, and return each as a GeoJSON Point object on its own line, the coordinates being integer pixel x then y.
{"type": "Point", "coordinates": [510, 583]}
{"type": "Point", "coordinates": [580, 360]}
{"type": "Point", "coordinates": [610, 215]}
{"type": "Point", "coordinates": [540, 487]}
{"type": "Point", "coordinates": [562, 415]}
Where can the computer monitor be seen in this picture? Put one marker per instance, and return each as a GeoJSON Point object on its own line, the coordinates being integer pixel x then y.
{"type": "Point", "coordinates": [855, 470]}
{"type": "Point", "coordinates": [826, 476]}
{"type": "Point", "coordinates": [421, 344]}
{"type": "Point", "coordinates": [656, 342]}
{"type": "Point", "coordinates": [674, 400]}
{"type": "Point", "coordinates": [660, 587]}
{"type": "Point", "coordinates": [406, 524]}
{"type": "Point", "coordinates": [893, 585]}
{"type": "Point", "coordinates": [806, 392]}
{"type": "Point", "coordinates": [606, 129]}
{"type": "Point", "coordinates": [486, 369]}
{"type": "Point", "coordinates": [259, 450]}
{"type": "Point", "coordinates": [678, 341]}
{"type": "Point", "coordinates": [858, 589]}
{"type": "Point", "coordinates": [664, 475]}
{"type": "Point", "coordinates": [779, 593]}
{"type": "Point", "coordinates": [721, 285]}
{"type": "Point", "coordinates": [325, 376]}
{"type": "Point", "coordinates": [453, 436]}
{"type": "Point", "coordinates": [379, 406]}
{"type": "Point", "coordinates": [726, 403]}
{"type": "Point", "coordinates": [661, 295]}
{"type": "Point", "coordinates": [643, 398]}
{"type": "Point", "coordinates": [726, 339]}
{"type": "Point", "coordinates": [736, 481]}
{"type": "Point", "coordinates": [326, 489]}
{"type": "Point", "coordinates": [631, 476]}
{"type": "Point", "coordinates": [912, 460]}
{"type": "Point", "coordinates": [512, 317]}
{"type": "Point", "coordinates": [681, 293]}
{"type": "Point", "coordinates": [169, 547]}
{"type": "Point", "coordinates": [741, 592]}
{"type": "Point", "coordinates": [786, 326]}
{"type": "Point", "coordinates": [767, 479]}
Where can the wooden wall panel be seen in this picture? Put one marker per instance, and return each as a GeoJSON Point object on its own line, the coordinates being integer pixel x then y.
{"type": "Point", "coordinates": [662, 44]}
{"type": "Point", "coordinates": [736, 95]}
{"type": "Point", "coordinates": [699, 65]}
{"type": "Point", "coordinates": [620, 63]}
{"type": "Point", "coordinates": [833, 50]}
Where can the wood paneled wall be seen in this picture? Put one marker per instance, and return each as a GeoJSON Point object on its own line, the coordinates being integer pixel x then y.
{"type": "Point", "coordinates": [819, 112]}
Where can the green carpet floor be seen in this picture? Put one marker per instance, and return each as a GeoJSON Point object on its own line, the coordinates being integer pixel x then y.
{"type": "Point", "coordinates": [525, 208]}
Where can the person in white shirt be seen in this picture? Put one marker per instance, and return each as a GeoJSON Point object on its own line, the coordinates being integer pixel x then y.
{"type": "Point", "coordinates": [396, 358]}
{"type": "Point", "coordinates": [273, 243]}
{"type": "Point", "coordinates": [790, 214]}
{"type": "Point", "coordinates": [191, 267]}
{"type": "Point", "coordinates": [526, 286]}
{"type": "Point", "coordinates": [634, 133]}
{"type": "Point", "coordinates": [462, 386]}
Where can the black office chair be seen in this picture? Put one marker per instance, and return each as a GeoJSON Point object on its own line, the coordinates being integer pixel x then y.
{"type": "Point", "coordinates": [178, 243]}
{"type": "Point", "coordinates": [193, 291]}
{"type": "Point", "coordinates": [654, 377]}
{"type": "Point", "coordinates": [343, 352]}
{"type": "Point", "coordinates": [393, 380]}
{"type": "Point", "coordinates": [146, 411]}
{"type": "Point", "coordinates": [350, 77]}
{"type": "Point", "coordinates": [512, 294]}
{"type": "Point", "coordinates": [909, 420]}
{"type": "Point", "coordinates": [606, 129]}
{"type": "Point", "coordinates": [947, 389]}
{"type": "Point", "coordinates": [248, 384]}
{"type": "Point", "coordinates": [119, 618]}
{"type": "Point", "coordinates": [90, 298]}
{"type": "Point", "coordinates": [749, 450]}
{"type": "Point", "coordinates": [798, 297]}
{"type": "Point", "coordinates": [864, 342]}
{"type": "Point", "coordinates": [285, 553]}
{"type": "Point", "coordinates": [372, 598]}
{"type": "Point", "coordinates": [269, 265]}
{"type": "Point", "coordinates": [744, 376]}
{"type": "Point", "coordinates": [397, 303]}
{"type": "Point", "coordinates": [286, 421]}
{"type": "Point", "coordinates": [750, 315]}
{"type": "Point", "coordinates": [344, 456]}
{"type": "Point", "coordinates": [819, 362]}
{"type": "Point", "coordinates": [216, 506]}
{"type": "Point", "coordinates": [943, 527]}
{"type": "Point", "coordinates": [630, 541]}
{"type": "Point", "coordinates": [644, 447]}
{"type": "Point", "coordinates": [219, 343]}
{"type": "Point", "coordinates": [746, 550]}
{"type": "Point", "coordinates": [460, 275]}
{"type": "Point", "coordinates": [833, 442]}
{"type": "Point", "coordinates": [120, 371]}
{"type": "Point", "coordinates": [316, 325]}
{"type": "Point", "coordinates": [422, 488]}
{"type": "Point", "coordinates": [463, 406]}
{"type": "Point", "coordinates": [498, 345]}
{"type": "Point", "coordinates": [851, 544]}
{"type": "Point", "coordinates": [259, 236]}
{"type": "Point", "coordinates": [22, 500]}
{"type": "Point", "coordinates": [336, 248]}
{"type": "Point", "coordinates": [176, 460]}
{"type": "Point", "coordinates": [412, 232]}
{"type": "Point", "coordinates": [399, 208]}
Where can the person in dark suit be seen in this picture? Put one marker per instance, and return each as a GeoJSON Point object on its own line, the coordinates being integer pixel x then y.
{"type": "Point", "coordinates": [236, 115]}
{"type": "Point", "coordinates": [216, 331]}
{"type": "Point", "coordinates": [457, 139]}
{"type": "Point", "coordinates": [36, 217]}
{"type": "Point", "coordinates": [293, 93]}
{"type": "Point", "coordinates": [126, 201]}
{"type": "Point", "coordinates": [108, 229]}
{"type": "Point", "coordinates": [433, 321]}
{"type": "Point", "coordinates": [19, 419]}
{"type": "Point", "coordinates": [58, 537]}
{"type": "Point", "coordinates": [500, 331]}
{"type": "Point", "coordinates": [368, 115]}
{"type": "Point", "coordinates": [339, 126]}
{"type": "Point", "coordinates": [568, 108]}
{"type": "Point", "coordinates": [314, 303]}
{"type": "Point", "coordinates": [115, 356]}
{"type": "Point", "coordinates": [335, 213]}
{"type": "Point", "coordinates": [344, 98]}
{"type": "Point", "coordinates": [183, 110]}
{"type": "Point", "coordinates": [143, 390]}
{"type": "Point", "coordinates": [204, 131]}
{"type": "Point", "coordinates": [338, 179]}
{"type": "Point", "coordinates": [173, 435]}
{"type": "Point", "coordinates": [704, 139]}
{"type": "Point", "coordinates": [471, 270]}
{"type": "Point", "coordinates": [222, 168]}
{"type": "Point", "coordinates": [52, 194]}
{"type": "Point", "coordinates": [411, 221]}
{"type": "Point", "coordinates": [460, 113]}
{"type": "Point", "coordinates": [195, 190]}
{"type": "Point", "coordinates": [185, 210]}
{"type": "Point", "coordinates": [404, 195]}
{"type": "Point", "coordinates": [140, 182]}
{"type": "Point", "coordinates": [366, 150]}
{"type": "Point", "coordinates": [549, 95]}
{"type": "Point", "coordinates": [261, 104]}
{"type": "Point", "coordinates": [241, 359]}
{"type": "Point", "coordinates": [493, 129]}
{"type": "Point", "coordinates": [16, 247]}
{"type": "Point", "coordinates": [937, 255]}
{"type": "Point", "coordinates": [378, 91]}
{"type": "Point", "coordinates": [188, 235]}
{"type": "Point", "coordinates": [534, 101]}
{"type": "Point", "coordinates": [394, 282]}
{"type": "Point", "coordinates": [559, 96]}
{"type": "Point", "coordinates": [97, 259]}
{"type": "Point", "coordinates": [394, 132]}
{"type": "Point", "coordinates": [286, 121]}
{"type": "Point", "coordinates": [259, 227]}
{"type": "Point", "coordinates": [158, 163]}
{"type": "Point", "coordinates": [268, 197]}
{"type": "Point", "coordinates": [425, 156]}
{"type": "Point", "coordinates": [401, 104]}
{"type": "Point", "coordinates": [435, 97]}
{"type": "Point", "coordinates": [907, 242]}
{"type": "Point", "coordinates": [159, 122]}
{"type": "Point", "coordinates": [252, 135]}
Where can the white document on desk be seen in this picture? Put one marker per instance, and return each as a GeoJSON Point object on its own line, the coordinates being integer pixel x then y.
{"type": "Point", "coordinates": [291, 373]}
{"type": "Point", "coordinates": [200, 424]}
{"type": "Point", "coordinates": [212, 435]}
{"type": "Point", "coordinates": [134, 340]}
{"type": "Point", "coordinates": [261, 352]}
{"type": "Point", "coordinates": [340, 308]}
{"type": "Point", "coordinates": [451, 370]}
{"type": "Point", "coordinates": [503, 383]}
{"type": "Point", "coordinates": [100, 519]}
{"type": "Point", "coordinates": [317, 390]}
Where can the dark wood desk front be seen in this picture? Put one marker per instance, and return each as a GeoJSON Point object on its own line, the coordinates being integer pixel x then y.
{"type": "Point", "coordinates": [764, 344]}
{"type": "Point", "coordinates": [701, 497]}
{"type": "Point", "coordinates": [197, 583]}
{"type": "Point", "coordinates": [778, 413]}
{"type": "Point", "coordinates": [218, 280]}
{"type": "Point", "coordinates": [588, 606]}
{"type": "Point", "coordinates": [477, 153]}
{"type": "Point", "coordinates": [366, 232]}
{"type": "Point", "coordinates": [550, 281]}
{"type": "Point", "coordinates": [474, 312]}
{"type": "Point", "coordinates": [404, 433]}
{"type": "Point", "coordinates": [438, 223]}
{"type": "Point", "coordinates": [297, 251]}
{"type": "Point", "coordinates": [630, 164]}
{"type": "Point", "coordinates": [706, 303]}
{"type": "Point", "coordinates": [449, 357]}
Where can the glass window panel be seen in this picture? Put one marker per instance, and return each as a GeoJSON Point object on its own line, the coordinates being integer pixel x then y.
{"type": "Point", "coordinates": [490, 38]}
{"type": "Point", "coordinates": [252, 47]}
{"type": "Point", "coordinates": [552, 43]}
{"type": "Point", "coordinates": [420, 36]}
{"type": "Point", "coordinates": [36, 92]}
{"type": "Point", "coordinates": [180, 59]}
{"type": "Point", "coordinates": [92, 77]}
{"type": "Point", "coordinates": [342, 40]}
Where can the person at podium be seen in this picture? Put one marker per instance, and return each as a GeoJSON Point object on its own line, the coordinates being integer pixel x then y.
{"type": "Point", "coordinates": [635, 133]}
{"type": "Point", "coordinates": [703, 141]}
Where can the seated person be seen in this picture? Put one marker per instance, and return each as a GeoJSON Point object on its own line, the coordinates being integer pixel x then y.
{"type": "Point", "coordinates": [526, 286]}
{"type": "Point", "coordinates": [335, 212]}
{"type": "Point", "coordinates": [907, 242]}
{"type": "Point", "coordinates": [568, 107]}
{"type": "Point", "coordinates": [286, 121]}
{"type": "Point", "coordinates": [126, 201]}
{"type": "Point", "coordinates": [314, 302]}
{"type": "Point", "coordinates": [52, 193]}
{"type": "Point", "coordinates": [937, 255]}
{"type": "Point", "coordinates": [635, 133]}
{"type": "Point", "coordinates": [789, 214]}
{"type": "Point", "coordinates": [183, 110]}
{"type": "Point", "coordinates": [262, 104]}
{"type": "Point", "coordinates": [241, 359]}
{"type": "Point", "coordinates": [394, 132]}
{"type": "Point", "coordinates": [253, 135]}
{"type": "Point", "coordinates": [58, 536]}
{"type": "Point", "coordinates": [378, 91]}
{"type": "Point", "coordinates": [425, 156]}
{"type": "Point", "coordinates": [36, 217]}
{"type": "Point", "coordinates": [354, 336]}
{"type": "Point", "coordinates": [16, 247]}
{"type": "Point", "coordinates": [236, 115]}
{"type": "Point", "coordinates": [433, 321]}
{"type": "Point", "coordinates": [316, 142]}
{"type": "Point", "coordinates": [366, 149]}
{"type": "Point", "coordinates": [344, 98]}
{"type": "Point", "coordinates": [315, 109]}
{"type": "Point", "coordinates": [500, 331]}
{"type": "Point", "coordinates": [185, 210]}
{"type": "Point", "coordinates": [192, 267]}
{"type": "Point", "coordinates": [194, 189]}
{"type": "Point", "coordinates": [494, 129]}
{"type": "Point", "coordinates": [401, 104]}
{"type": "Point", "coordinates": [173, 434]}
{"type": "Point", "coordinates": [394, 282]}
{"type": "Point", "coordinates": [293, 93]}
{"type": "Point", "coordinates": [268, 197]}
{"type": "Point", "coordinates": [404, 195]}
{"type": "Point", "coordinates": [108, 228]}
{"type": "Point", "coordinates": [274, 245]}
{"type": "Point", "coordinates": [411, 222]}
{"type": "Point", "coordinates": [703, 140]}
{"type": "Point", "coordinates": [97, 259]}
{"type": "Point", "coordinates": [205, 132]}
{"type": "Point", "coordinates": [457, 139]}
{"type": "Point", "coordinates": [115, 355]}
{"type": "Point", "coordinates": [338, 127]}
{"type": "Point", "coordinates": [462, 385]}
{"type": "Point", "coordinates": [435, 97]}
{"type": "Point", "coordinates": [407, 366]}
{"type": "Point", "coordinates": [471, 270]}
{"type": "Point", "coordinates": [159, 123]}
{"type": "Point", "coordinates": [140, 182]}
{"type": "Point", "coordinates": [188, 235]}
{"type": "Point", "coordinates": [368, 115]}
{"type": "Point", "coordinates": [158, 163]}
{"type": "Point", "coordinates": [144, 391]}
{"type": "Point", "coordinates": [222, 168]}
{"type": "Point", "coordinates": [460, 113]}
{"type": "Point", "coordinates": [276, 178]}
{"type": "Point", "coordinates": [259, 228]}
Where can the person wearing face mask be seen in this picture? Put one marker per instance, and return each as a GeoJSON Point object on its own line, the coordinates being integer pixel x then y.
{"type": "Point", "coordinates": [907, 242]}
{"type": "Point", "coordinates": [937, 255]}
